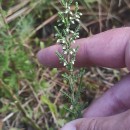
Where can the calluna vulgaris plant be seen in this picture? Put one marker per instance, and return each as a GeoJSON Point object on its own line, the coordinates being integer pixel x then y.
{"type": "Point", "coordinates": [66, 37]}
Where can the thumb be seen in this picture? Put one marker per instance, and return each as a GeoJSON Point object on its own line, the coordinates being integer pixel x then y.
{"type": "Point", "coordinates": [116, 122]}
{"type": "Point", "coordinates": [81, 124]}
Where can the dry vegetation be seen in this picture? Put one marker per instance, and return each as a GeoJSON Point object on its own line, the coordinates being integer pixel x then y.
{"type": "Point", "coordinates": [30, 96]}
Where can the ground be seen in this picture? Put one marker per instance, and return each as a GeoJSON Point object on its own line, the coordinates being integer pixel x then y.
{"type": "Point", "coordinates": [30, 96]}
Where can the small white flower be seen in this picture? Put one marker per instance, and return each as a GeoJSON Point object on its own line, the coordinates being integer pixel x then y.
{"type": "Point", "coordinates": [56, 35]}
{"type": "Point", "coordinates": [77, 16]}
{"type": "Point", "coordinates": [77, 36]}
{"type": "Point", "coordinates": [71, 18]}
{"type": "Point", "coordinates": [71, 52]}
{"type": "Point", "coordinates": [66, 12]}
{"type": "Point", "coordinates": [67, 30]}
{"type": "Point", "coordinates": [65, 52]}
{"type": "Point", "coordinates": [72, 31]}
{"type": "Point", "coordinates": [80, 14]}
{"type": "Point", "coordinates": [74, 50]}
{"type": "Point", "coordinates": [59, 24]}
{"type": "Point", "coordinates": [65, 63]}
{"type": "Point", "coordinates": [73, 62]}
{"type": "Point", "coordinates": [72, 22]}
{"type": "Point", "coordinates": [73, 41]}
{"type": "Point", "coordinates": [58, 40]}
{"type": "Point", "coordinates": [71, 13]}
{"type": "Point", "coordinates": [64, 47]}
{"type": "Point", "coordinates": [71, 107]}
{"type": "Point", "coordinates": [63, 41]}
{"type": "Point", "coordinates": [77, 20]}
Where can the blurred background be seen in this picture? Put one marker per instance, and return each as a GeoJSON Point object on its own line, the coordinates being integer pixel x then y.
{"type": "Point", "coordinates": [30, 94]}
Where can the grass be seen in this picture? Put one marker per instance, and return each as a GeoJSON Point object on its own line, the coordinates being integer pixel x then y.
{"type": "Point", "coordinates": [30, 96]}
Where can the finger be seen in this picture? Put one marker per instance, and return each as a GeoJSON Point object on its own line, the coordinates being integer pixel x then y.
{"type": "Point", "coordinates": [105, 49]}
{"type": "Point", "coordinates": [117, 122]}
{"type": "Point", "coordinates": [127, 54]}
{"type": "Point", "coordinates": [115, 100]}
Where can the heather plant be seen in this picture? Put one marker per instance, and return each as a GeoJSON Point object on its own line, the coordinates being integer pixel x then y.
{"type": "Point", "coordinates": [66, 37]}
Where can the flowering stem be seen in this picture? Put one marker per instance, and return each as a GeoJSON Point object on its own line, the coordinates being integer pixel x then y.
{"type": "Point", "coordinates": [66, 37]}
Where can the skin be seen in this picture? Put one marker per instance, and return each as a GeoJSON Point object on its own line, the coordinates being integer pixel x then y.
{"type": "Point", "coordinates": [108, 49]}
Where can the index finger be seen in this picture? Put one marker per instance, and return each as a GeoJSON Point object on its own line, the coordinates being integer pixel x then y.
{"type": "Point", "coordinates": [107, 49]}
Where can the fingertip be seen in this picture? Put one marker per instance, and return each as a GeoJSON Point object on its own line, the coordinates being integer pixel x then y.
{"type": "Point", "coordinates": [42, 57]}
{"type": "Point", "coordinates": [47, 56]}
{"type": "Point", "coordinates": [82, 124]}
{"type": "Point", "coordinates": [39, 56]}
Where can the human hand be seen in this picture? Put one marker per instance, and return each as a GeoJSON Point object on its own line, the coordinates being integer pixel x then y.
{"type": "Point", "coordinates": [107, 49]}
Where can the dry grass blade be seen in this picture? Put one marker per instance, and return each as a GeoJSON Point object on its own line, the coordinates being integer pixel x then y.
{"type": "Point", "coordinates": [16, 14]}
{"type": "Point", "coordinates": [100, 15]}
{"type": "Point", "coordinates": [52, 18]}
{"type": "Point", "coordinates": [1, 124]}
{"type": "Point", "coordinates": [127, 2]}
{"type": "Point", "coordinates": [22, 9]}
{"type": "Point", "coordinates": [17, 7]}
